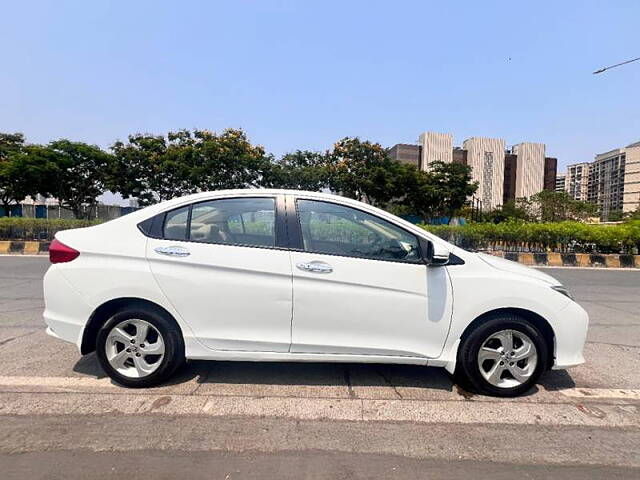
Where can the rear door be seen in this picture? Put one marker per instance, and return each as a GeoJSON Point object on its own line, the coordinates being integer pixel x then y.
{"type": "Point", "coordinates": [361, 287]}
{"type": "Point", "coordinates": [223, 265]}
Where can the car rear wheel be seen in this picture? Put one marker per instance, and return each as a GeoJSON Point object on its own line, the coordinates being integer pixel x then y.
{"type": "Point", "coordinates": [504, 356]}
{"type": "Point", "coordinates": [140, 347]}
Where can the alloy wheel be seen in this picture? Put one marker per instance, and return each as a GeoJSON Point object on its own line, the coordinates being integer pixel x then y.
{"type": "Point", "coordinates": [507, 358]}
{"type": "Point", "coordinates": [134, 348]}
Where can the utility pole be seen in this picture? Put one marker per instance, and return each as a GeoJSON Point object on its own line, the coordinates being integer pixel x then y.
{"type": "Point", "coordinates": [604, 69]}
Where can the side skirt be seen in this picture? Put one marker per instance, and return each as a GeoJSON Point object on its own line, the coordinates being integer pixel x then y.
{"type": "Point", "coordinates": [195, 351]}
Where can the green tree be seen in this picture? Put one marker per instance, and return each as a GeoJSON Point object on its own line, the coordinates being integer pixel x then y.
{"type": "Point", "coordinates": [364, 171]}
{"type": "Point", "coordinates": [24, 169]}
{"type": "Point", "coordinates": [136, 170]}
{"type": "Point", "coordinates": [419, 198]}
{"type": "Point", "coordinates": [552, 206]}
{"type": "Point", "coordinates": [302, 170]}
{"type": "Point", "coordinates": [441, 191]}
{"type": "Point", "coordinates": [11, 145]}
{"type": "Point", "coordinates": [520, 209]}
{"type": "Point", "coordinates": [227, 160]}
{"type": "Point", "coordinates": [452, 184]}
{"type": "Point", "coordinates": [79, 175]}
{"type": "Point", "coordinates": [615, 216]}
{"type": "Point", "coordinates": [155, 168]}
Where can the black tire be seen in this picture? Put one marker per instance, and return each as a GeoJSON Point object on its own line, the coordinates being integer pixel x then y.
{"type": "Point", "coordinates": [468, 370]}
{"type": "Point", "coordinates": [173, 344]}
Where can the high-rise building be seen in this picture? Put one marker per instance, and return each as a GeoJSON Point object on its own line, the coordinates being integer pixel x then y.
{"type": "Point", "coordinates": [406, 153]}
{"type": "Point", "coordinates": [501, 175]}
{"type": "Point", "coordinates": [459, 155]}
{"type": "Point", "coordinates": [613, 181]}
{"type": "Point", "coordinates": [577, 181]}
{"type": "Point", "coordinates": [631, 194]}
{"type": "Point", "coordinates": [510, 169]}
{"type": "Point", "coordinates": [547, 176]}
{"type": "Point", "coordinates": [550, 173]}
{"type": "Point", "coordinates": [435, 147]}
{"type": "Point", "coordinates": [561, 182]}
{"type": "Point", "coordinates": [485, 156]}
{"type": "Point", "coordinates": [529, 168]}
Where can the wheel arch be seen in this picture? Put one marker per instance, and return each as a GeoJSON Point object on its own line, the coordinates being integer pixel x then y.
{"type": "Point", "coordinates": [534, 318]}
{"type": "Point", "coordinates": [106, 310]}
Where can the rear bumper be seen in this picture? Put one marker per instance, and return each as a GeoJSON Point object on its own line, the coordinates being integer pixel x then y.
{"type": "Point", "coordinates": [66, 312]}
{"type": "Point", "coordinates": [570, 331]}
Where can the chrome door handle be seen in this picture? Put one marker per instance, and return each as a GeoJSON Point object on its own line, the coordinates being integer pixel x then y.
{"type": "Point", "coordinates": [315, 267]}
{"type": "Point", "coordinates": [174, 251]}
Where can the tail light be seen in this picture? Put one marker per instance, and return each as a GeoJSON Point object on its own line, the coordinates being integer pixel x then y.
{"type": "Point", "coordinates": [61, 253]}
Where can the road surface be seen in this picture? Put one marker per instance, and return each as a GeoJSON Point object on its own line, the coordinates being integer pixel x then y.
{"type": "Point", "coordinates": [61, 417]}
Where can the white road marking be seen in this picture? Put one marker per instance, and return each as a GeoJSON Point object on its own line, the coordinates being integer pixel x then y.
{"type": "Point", "coordinates": [69, 383]}
{"type": "Point", "coordinates": [417, 411]}
{"type": "Point", "coordinates": [55, 382]}
{"type": "Point", "coordinates": [597, 393]}
{"type": "Point", "coordinates": [92, 396]}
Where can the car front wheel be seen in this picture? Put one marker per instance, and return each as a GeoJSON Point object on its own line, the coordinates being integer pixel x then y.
{"type": "Point", "coordinates": [139, 347]}
{"type": "Point", "coordinates": [504, 356]}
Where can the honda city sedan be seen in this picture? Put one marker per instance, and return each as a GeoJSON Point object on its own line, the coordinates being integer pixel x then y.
{"type": "Point", "coordinates": [278, 275]}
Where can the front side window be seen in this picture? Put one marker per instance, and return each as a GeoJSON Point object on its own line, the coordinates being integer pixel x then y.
{"type": "Point", "coordinates": [338, 230]}
{"type": "Point", "coordinates": [234, 221]}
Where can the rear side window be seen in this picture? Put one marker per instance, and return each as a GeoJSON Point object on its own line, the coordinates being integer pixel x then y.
{"type": "Point", "coordinates": [234, 221]}
{"type": "Point", "coordinates": [175, 224]}
{"type": "Point", "coordinates": [237, 221]}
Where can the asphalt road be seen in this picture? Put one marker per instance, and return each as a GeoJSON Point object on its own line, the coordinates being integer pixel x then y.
{"type": "Point", "coordinates": [61, 417]}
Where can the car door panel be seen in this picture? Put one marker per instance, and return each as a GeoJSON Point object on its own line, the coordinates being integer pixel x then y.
{"type": "Point", "coordinates": [367, 306]}
{"type": "Point", "coordinates": [234, 297]}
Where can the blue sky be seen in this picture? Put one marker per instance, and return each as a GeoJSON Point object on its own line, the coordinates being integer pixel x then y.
{"type": "Point", "coordinates": [304, 74]}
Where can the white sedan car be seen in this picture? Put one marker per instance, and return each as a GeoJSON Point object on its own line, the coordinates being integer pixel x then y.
{"type": "Point", "coordinates": [277, 275]}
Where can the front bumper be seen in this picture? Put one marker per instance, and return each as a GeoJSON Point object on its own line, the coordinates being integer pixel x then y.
{"type": "Point", "coordinates": [570, 330]}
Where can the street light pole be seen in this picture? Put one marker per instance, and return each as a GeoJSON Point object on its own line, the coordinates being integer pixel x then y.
{"type": "Point", "coordinates": [604, 69]}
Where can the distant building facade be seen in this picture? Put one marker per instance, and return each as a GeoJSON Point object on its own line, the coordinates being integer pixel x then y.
{"type": "Point", "coordinates": [485, 156]}
{"type": "Point", "coordinates": [611, 181]}
{"type": "Point", "coordinates": [529, 168]}
{"type": "Point", "coordinates": [435, 147]}
{"type": "Point", "coordinates": [561, 182]}
{"type": "Point", "coordinates": [459, 155]}
{"type": "Point", "coordinates": [510, 170]}
{"type": "Point", "coordinates": [577, 181]}
{"type": "Point", "coordinates": [614, 180]}
{"type": "Point", "coordinates": [550, 173]}
{"type": "Point", "coordinates": [502, 175]}
{"type": "Point", "coordinates": [406, 153]}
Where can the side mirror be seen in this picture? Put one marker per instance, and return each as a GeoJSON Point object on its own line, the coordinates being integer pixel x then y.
{"type": "Point", "coordinates": [433, 253]}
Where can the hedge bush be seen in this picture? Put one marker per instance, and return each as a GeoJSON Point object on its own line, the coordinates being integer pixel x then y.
{"type": "Point", "coordinates": [511, 236]}
{"type": "Point", "coordinates": [44, 229]}
{"type": "Point", "coordinates": [543, 237]}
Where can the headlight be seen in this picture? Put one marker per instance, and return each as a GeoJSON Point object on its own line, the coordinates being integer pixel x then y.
{"type": "Point", "coordinates": [563, 291]}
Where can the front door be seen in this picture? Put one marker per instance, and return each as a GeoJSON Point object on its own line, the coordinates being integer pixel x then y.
{"type": "Point", "coordinates": [360, 286]}
{"type": "Point", "coordinates": [219, 264]}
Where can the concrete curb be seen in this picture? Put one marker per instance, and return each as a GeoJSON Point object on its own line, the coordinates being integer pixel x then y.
{"type": "Point", "coordinates": [20, 247]}
{"type": "Point", "coordinates": [571, 259]}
